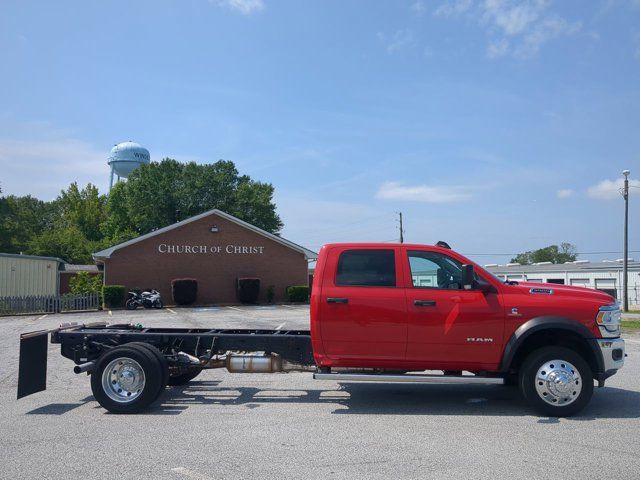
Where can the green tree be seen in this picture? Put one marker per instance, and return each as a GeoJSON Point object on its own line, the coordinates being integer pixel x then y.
{"type": "Point", "coordinates": [84, 282]}
{"type": "Point", "coordinates": [81, 221]}
{"type": "Point", "coordinates": [159, 194]}
{"type": "Point", "coordinates": [22, 218]}
{"type": "Point", "coordinates": [83, 209]}
{"type": "Point", "coordinates": [118, 226]}
{"type": "Point", "coordinates": [68, 243]}
{"type": "Point", "coordinates": [566, 252]}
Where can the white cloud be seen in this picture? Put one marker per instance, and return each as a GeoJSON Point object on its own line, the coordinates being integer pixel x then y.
{"type": "Point", "coordinates": [44, 167]}
{"type": "Point", "coordinates": [418, 7]}
{"type": "Point", "coordinates": [610, 189]}
{"type": "Point", "coordinates": [399, 40]}
{"type": "Point", "coordinates": [422, 193]}
{"type": "Point", "coordinates": [511, 17]}
{"type": "Point", "coordinates": [565, 193]}
{"type": "Point", "coordinates": [543, 32]}
{"type": "Point", "coordinates": [515, 27]}
{"type": "Point", "coordinates": [453, 7]}
{"type": "Point", "coordinates": [498, 48]}
{"type": "Point", "coordinates": [245, 7]}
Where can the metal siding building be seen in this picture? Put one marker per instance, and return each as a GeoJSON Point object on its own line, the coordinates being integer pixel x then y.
{"type": "Point", "coordinates": [605, 276]}
{"type": "Point", "coordinates": [27, 275]}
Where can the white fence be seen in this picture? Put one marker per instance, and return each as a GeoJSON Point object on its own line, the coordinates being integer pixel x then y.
{"type": "Point", "coordinates": [49, 303]}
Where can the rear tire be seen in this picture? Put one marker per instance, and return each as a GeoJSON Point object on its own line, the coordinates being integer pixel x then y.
{"type": "Point", "coordinates": [183, 378]}
{"type": "Point", "coordinates": [556, 381]}
{"type": "Point", "coordinates": [126, 379]}
{"type": "Point", "coordinates": [164, 364]}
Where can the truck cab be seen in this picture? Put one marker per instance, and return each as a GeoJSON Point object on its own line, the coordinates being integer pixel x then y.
{"type": "Point", "coordinates": [421, 307]}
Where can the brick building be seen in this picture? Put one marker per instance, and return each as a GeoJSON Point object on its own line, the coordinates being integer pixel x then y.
{"type": "Point", "coordinates": [216, 249]}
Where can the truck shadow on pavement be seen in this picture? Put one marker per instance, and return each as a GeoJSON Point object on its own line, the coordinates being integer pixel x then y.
{"type": "Point", "coordinates": [392, 399]}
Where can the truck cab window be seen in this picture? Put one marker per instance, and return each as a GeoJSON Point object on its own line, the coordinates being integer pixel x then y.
{"type": "Point", "coordinates": [434, 270]}
{"type": "Point", "coordinates": [367, 268]}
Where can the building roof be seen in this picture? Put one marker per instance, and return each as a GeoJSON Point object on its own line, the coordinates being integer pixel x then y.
{"type": "Point", "coordinates": [581, 266]}
{"type": "Point", "coordinates": [309, 255]}
{"type": "Point", "coordinates": [31, 257]}
{"type": "Point", "coordinates": [68, 267]}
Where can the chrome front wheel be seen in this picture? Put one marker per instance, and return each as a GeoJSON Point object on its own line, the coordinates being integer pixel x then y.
{"type": "Point", "coordinates": [556, 381]}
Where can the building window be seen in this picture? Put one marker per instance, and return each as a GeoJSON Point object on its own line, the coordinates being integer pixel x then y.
{"type": "Point", "coordinates": [557, 281]}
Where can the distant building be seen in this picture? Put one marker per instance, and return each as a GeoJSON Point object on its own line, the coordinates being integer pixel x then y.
{"type": "Point", "coordinates": [29, 275]}
{"type": "Point", "coordinates": [605, 275]}
{"type": "Point", "coordinates": [214, 248]}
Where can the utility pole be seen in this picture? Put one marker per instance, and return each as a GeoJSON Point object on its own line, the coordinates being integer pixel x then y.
{"type": "Point", "coordinates": [401, 230]}
{"type": "Point", "coordinates": [625, 260]}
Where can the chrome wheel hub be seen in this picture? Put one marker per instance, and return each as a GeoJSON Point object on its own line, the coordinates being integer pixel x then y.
{"type": "Point", "coordinates": [558, 382]}
{"type": "Point", "coordinates": [123, 380]}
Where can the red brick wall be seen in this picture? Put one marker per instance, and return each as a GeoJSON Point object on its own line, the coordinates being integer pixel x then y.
{"type": "Point", "coordinates": [151, 264]}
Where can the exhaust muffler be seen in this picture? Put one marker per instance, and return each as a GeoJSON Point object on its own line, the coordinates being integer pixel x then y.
{"type": "Point", "coordinates": [256, 363]}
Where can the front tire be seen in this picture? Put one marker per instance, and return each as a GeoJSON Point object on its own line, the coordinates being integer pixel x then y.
{"type": "Point", "coordinates": [556, 381]}
{"type": "Point", "coordinates": [126, 379]}
{"type": "Point", "coordinates": [131, 304]}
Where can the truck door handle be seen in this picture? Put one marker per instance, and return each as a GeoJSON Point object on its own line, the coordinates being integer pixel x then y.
{"type": "Point", "coordinates": [424, 303]}
{"type": "Point", "coordinates": [337, 300]}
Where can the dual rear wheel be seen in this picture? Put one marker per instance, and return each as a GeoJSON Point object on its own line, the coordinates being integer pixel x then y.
{"type": "Point", "coordinates": [128, 378]}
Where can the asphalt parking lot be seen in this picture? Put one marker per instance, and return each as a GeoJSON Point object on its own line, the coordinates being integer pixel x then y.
{"type": "Point", "coordinates": [290, 426]}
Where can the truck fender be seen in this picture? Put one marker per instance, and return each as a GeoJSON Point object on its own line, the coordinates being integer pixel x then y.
{"type": "Point", "coordinates": [539, 324]}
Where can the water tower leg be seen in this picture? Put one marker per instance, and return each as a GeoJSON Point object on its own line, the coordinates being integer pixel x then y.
{"type": "Point", "coordinates": [111, 180]}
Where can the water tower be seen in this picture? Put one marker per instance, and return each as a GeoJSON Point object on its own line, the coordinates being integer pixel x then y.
{"type": "Point", "coordinates": [125, 157]}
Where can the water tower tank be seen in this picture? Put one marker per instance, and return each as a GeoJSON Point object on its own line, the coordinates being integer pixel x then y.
{"type": "Point", "coordinates": [125, 157]}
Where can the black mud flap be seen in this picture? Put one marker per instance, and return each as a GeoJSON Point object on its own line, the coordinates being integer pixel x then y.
{"type": "Point", "coordinates": [32, 372]}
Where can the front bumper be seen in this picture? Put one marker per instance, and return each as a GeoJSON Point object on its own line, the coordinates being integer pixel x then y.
{"type": "Point", "coordinates": [612, 350]}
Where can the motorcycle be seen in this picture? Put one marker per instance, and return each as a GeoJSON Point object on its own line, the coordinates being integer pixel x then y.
{"type": "Point", "coordinates": [146, 299]}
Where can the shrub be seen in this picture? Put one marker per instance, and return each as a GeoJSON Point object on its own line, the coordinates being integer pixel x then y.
{"type": "Point", "coordinates": [298, 293]}
{"type": "Point", "coordinates": [248, 289]}
{"type": "Point", "coordinates": [113, 295]}
{"type": "Point", "coordinates": [84, 282]}
{"type": "Point", "coordinates": [271, 293]}
{"type": "Point", "coordinates": [184, 290]}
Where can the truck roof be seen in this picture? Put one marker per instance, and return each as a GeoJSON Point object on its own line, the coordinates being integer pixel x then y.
{"type": "Point", "coordinates": [384, 245]}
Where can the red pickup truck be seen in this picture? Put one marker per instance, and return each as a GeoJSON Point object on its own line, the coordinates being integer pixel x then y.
{"type": "Point", "coordinates": [379, 313]}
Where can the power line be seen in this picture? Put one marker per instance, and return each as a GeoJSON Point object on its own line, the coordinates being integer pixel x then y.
{"type": "Point", "coordinates": [578, 253]}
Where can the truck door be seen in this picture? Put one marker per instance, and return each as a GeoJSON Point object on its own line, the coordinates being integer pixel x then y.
{"type": "Point", "coordinates": [448, 325]}
{"type": "Point", "coordinates": [362, 307]}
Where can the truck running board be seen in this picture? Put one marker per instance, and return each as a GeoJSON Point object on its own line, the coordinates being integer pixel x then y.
{"type": "Point", "coordinates": [409, 378]}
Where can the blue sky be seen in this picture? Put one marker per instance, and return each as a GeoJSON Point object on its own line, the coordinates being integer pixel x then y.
{"type": "Point", "coordinates": [498, 126]}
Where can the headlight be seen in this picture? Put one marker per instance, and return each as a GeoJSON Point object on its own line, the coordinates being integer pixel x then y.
{"type": "Point", "coordinates": [608, 319]}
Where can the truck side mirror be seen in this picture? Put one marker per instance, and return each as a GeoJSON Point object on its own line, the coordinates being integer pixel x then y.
{"type": "Point", "coordinates": [467, 277]}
